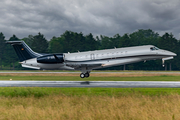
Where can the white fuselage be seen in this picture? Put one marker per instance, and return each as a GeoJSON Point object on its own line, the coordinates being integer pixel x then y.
{"type": "Point", "coordinates": [102, 58]}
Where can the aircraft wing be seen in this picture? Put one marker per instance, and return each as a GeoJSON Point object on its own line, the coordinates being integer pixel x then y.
{"type": "Point", "coordinates": [83, 65]}
{"type": "Point", "coordinates": [100, 64]}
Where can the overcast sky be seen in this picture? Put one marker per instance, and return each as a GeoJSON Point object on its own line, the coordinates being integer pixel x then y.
{"type": "Point", "coordinates": [99, 17]}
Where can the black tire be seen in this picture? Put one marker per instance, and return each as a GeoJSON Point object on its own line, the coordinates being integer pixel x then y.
{"type": "Point", "coordinates": [86, 74]}
{"type": "Point", "coordinates": [82, 75]}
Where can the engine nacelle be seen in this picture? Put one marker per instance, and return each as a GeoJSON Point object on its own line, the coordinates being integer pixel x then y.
{"type": "Point", "coordinates": [52, 58]}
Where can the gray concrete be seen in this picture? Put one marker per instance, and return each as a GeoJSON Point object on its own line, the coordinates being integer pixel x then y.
{"type": "Point", "coordinates": [116, 84]}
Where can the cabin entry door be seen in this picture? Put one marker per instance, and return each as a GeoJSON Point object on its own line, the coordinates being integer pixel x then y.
{"type": "Point", "coordinates": [92, 56]}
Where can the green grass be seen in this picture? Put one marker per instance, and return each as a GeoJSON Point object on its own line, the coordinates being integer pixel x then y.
{"type": "Point", "coordinates": [91, 78]}
{"type": "Point", "coordinates": [19, 103]}
{"type": "Point", "coordinates": [118, 92]}
{"type": "Point", "coordinates": [46, 91]}
{"type": "Point", "coordinates": [70, 103]}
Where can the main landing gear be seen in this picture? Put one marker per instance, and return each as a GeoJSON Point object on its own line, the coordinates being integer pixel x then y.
{"type": "Point", "coordinates": [82, 75]}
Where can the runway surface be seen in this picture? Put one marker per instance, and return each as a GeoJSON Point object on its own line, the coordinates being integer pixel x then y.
{"type": "Point", "coordinates": [122, 72]}
{"type": "Point", "coordinates": [109, 84]}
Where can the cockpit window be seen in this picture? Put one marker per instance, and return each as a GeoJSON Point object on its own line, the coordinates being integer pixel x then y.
{"type": "Point", "coordinates": [154, 48]}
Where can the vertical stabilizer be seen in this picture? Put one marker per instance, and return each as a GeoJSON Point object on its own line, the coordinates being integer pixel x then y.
{"type": "Point", "coordinates": [23, 51]}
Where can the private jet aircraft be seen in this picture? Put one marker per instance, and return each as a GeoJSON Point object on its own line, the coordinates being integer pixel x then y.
{"type": "Point", "coordinates": [87, 61]}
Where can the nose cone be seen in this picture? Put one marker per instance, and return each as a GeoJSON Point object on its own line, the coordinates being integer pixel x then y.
{"type": "Point", "coordinates": [171, 53]}
{"type": "Point", "coordinates": [174, 54]}
{"type": "Point", "coordinates": [167, 53]}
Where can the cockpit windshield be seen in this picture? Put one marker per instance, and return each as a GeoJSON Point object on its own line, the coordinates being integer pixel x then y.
{"type": "Point", "coordinates": [154, 48]}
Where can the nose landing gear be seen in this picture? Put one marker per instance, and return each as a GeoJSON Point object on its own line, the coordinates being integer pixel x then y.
{"type": "Point", "coordinates": [82, 75]}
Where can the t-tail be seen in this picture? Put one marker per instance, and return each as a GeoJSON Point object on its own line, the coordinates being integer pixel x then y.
{"type": "Point", "coordinates": [23, 51]}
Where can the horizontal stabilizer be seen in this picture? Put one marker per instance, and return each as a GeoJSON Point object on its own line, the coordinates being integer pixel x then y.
{"type": "Point", "coordinates": [14, 42]}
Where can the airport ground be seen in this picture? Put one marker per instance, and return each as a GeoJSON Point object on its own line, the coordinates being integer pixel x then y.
{"type": "Point", "coordinates": [90, 103]}
{"type": "Point", "coordinates": [94, 76]}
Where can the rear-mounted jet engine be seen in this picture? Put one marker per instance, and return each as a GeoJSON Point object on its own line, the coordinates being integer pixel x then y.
{"type": "Point", "coordinates": [52, 58]}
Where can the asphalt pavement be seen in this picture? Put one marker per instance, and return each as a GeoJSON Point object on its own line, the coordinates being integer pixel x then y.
{"type": "Point", "coordinates": [108, 84]}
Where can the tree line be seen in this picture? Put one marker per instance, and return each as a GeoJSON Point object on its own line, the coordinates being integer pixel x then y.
{"type": "Point", "coordinates": [73, 42]}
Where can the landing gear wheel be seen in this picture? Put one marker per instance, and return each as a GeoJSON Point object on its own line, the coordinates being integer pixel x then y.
{"type": "Point", "coordinates": [86, 74]}
{"type": "Point", "coordinates": [82, 75]}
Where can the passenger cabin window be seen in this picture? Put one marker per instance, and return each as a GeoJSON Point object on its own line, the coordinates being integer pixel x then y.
{"type": "Point", "coordinates": [154, 48]}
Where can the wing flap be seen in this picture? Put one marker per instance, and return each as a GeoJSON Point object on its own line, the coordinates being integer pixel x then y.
{"type": "Point", "coordinates": [77, 65]}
